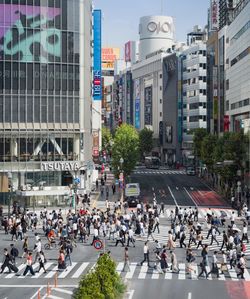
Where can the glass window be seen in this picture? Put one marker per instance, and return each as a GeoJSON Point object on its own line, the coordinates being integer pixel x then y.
{"type": "Point", "coordinates": [7, 110]}
{"type": "Point", "coordinates": [51, 110]}
{"type": "Point", "coordinates": [30, 113]}
{"type": "Point", "coordinates": [37, 117]}
{"type": "Point", "coordinates": [64, 110]}
{"type": "Point", "coordinates": [22, 104]}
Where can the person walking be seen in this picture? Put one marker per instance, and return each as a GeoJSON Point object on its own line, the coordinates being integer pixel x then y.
{"type": "Point", "coordinates": [244, 233]}
{"type": "Point", "coordinates": [199, 239]}
{"type": "Point", "coordinates": [162, 208]}
{"type": "Point", "coordinates": [213, 237]}
{"type": "Point", "coordinates": [61, 260]}
{"type": "Point", "coordinates": [157, 262]}
{"type": "Point", "coordinates": [13, 253]}
{"type": "Point", "coordinates": [145, 253]}
{"type": "Point", "coordinates": [69, 250]}
{"type": "Point", "coordinates": [203, 265]}
{"type": "Point", "coordinates": [6, 261]}
{"type": "Point", "coordinates": [126, 260]}
{"type": "Point", "coordinates": [182, 239]}
{"type": "Point", "coordinates": [29, 265]}
{"type": "Point", "coordinates": [174, 263]}
{"type": "Point", "coordinates": [42, 261]}
{"type": "Point", "coordinates": [215, 268]}
{"type": "Point", "coordinates": [224, 241]}
{"type": "Point", "coordinates": [119, 238]}
{"type": "Point", "coordinates": [164, 263]}
{"type": "Point", "coordinates": [130, 237]}
{"type": "Point", "coordinates": [241, 266]}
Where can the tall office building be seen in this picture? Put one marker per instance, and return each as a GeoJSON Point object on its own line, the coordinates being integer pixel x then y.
{"type": "Point", "coordinates": [45, 96]}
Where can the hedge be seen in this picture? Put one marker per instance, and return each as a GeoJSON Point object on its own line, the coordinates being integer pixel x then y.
{"type": "Point", "coordinates": [103, 282]}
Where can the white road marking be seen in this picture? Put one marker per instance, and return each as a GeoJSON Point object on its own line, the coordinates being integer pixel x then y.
{"type": "Point", "coordinates": [52, 272]}
{"type": "Point", "coordinates": [232, 273]}
{"type": "Point", "coordinates": [172, 196]}
{"type": "Point", "coordinates": [47, 265]}
{"type": "Point", "coordinates": [35, 295]}
{"type": "Point", "coordinates": [130, 274]}
{"type": "Point", "coordinates": [63, 291]}
{"type": "Point", "coordinates": [181, 274]}
{"type": "Point", "coordinates": [189, 296]}
{"type": "Point", "coordinates": [21, 267]}
{"type": "Point", "coordinates": [131, 294]}
{"type": "Point", "coordinates": [119, 268]}
{"type": "Point", "coordinates": [67, 271]}
{"type": "Point", "coordinates": [143, 272]}
{"type": "Point", "coordinates": [80, 270]}
{"type": "Point", "coordinates": [190, 196]}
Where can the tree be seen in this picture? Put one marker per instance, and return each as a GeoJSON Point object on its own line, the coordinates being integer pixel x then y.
{"type": "Point", "coordinates": [126, 146]}
{"type": "Point", "coordinates": [146, 141]}
{"type": "Point", "coordinates": [207, 150]}
{"type": "Point", "coordinates": [107, 140]}
{"type": "Point", "coordinates": [199, 135]}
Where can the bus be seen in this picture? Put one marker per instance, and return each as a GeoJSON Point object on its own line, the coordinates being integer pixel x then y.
{"type": "Point", "coordinates": [152, 162]}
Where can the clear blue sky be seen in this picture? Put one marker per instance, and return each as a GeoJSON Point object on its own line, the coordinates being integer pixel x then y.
{"type": "Point", "coordinates": [121, 17]}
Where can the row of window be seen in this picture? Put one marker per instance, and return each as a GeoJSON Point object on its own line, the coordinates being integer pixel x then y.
{"type": "Point", "coordinates": [240, 104]}
{"type": "Point", "coordinates": [195, 53]}
{"type": "Point", "coordinates": [29, 76]}
{"type": "Point", "coordinates": [240, 56]}
{"type": "Point", "coordinates": [195, 80]}
{"type": "Point", "coordinates": [197, 105]}
{"type": "Point", "coordinates": [39, 109]}
{"type": "Point", "coordinates": [193, 93]}
{"type": "Point", "coordinates": [240, 32]}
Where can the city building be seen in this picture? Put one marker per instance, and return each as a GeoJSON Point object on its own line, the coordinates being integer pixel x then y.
{"type": "Point", "coordinates": [45, 101]}
{"type": "Point", "coordinates": [237, 70]}
{"type": "Point", "coordinates": [194, 87]}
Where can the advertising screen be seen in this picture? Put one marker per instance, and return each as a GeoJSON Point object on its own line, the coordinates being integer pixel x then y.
{"type": "Point", "coordinates": [97, 63]}
{"type": "Point", "coordinates": [148, 106]}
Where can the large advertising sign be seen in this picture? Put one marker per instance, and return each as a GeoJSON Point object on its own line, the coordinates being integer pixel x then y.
{"type": "Point", "coordinates": [128, 51]}
{"type": "Point", "coordinates": [148, 106]}
{"type": "Point", "coordinates": [137, 104]}
{"type": "Point", "coordinates": [110, 54]}
{"type": "Point", "coordinates": [97, 63]}
{"type": "Point", "coordinates": [28, 33]}
{"type": "Point", "coordinates": [214, 15]}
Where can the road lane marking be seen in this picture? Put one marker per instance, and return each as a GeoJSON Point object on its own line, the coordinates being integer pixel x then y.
{"type": "Point", "coordinates": [143, 272]}
{"type": "Point", "coordinates": [168, 274]}
{"type": "Point", "coordinates": [21, 267]}
{"type": "Point", "coordinates": [172, 195]}
{"type": "Point", "coordinates": [181, 274]}
{"type": "Point", "coordinates": [189, 296]}
{"type": "Point", "coordinates": [52, 272]}
{"type": "Point", "coordinates": [35, 266]}
{"type": "Point", "coordinates": [130, 273]}
{"type": "Point", "coordinates": [63, 291]}
{"type": "Point", "coordinates": [208, 270]}
{"type": "Point", "coordinates": [232, 273]}
{"type": "Point", "coordinates": [191, 197]}
{"type": "Point", "coordinates": [36, 293]}
{"type": "Point", "coordinates": [47, 265]}
{"type": "Point", "coordinates": [67, 271]}
{"type": "Point", "coordinates": [131, 294]}
{"type": "Point", "coordinates": [119, 268]}
{"type": "Point", "coordinates": [80, 270]}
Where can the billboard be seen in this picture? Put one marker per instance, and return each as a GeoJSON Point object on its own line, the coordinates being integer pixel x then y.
{"type": "Point", "coordinates": [148, 106]}
{"type": "Point", "coordinates": [97, 61]}
{"type": "Point", "coordinates": [28, 33]}
{"type": "Point", "coordinates": [110, 54]}
{"type": "Point", "coordinates": [137, 104]}
{"type": "Point", "coordinates": [214, 15]}
{"type": "Point", "coordinates": [128, 51]}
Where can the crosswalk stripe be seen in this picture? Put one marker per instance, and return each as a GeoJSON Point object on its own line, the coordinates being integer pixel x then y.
{"type": "Point", "coordinates": [67, 271]}
{"type": "Point", "coordinates": [21, 267]}
{"type": "Point", "coordinates": [194, 273]}
{"type": "Point", "coordinates": [222, 276]}
{"type": "Point", "coordinates": [35, 266]}
{"type": "Point", "coordinates": [208, 270]}
{"type": "Point", "coordinates": [169, 274]}
{"type": "Point", "coordinates": [232, 273]}
{"type": "Point", "coordinates": [52, 272]}
{"type": "Point", "coordinates": [130, 274]}
{"type": "Point", "coordinates": [155, 274]}
{"type": "Point", "coordinates": [47, 265]}
{"type": "Point", "coordinates": [143, 272]}
{"type": "Point", "coordinates": [181, 274]}
{"type": "Point", "coordinates": [80, 270]}
{"type": "Point", "coordinates": [119, 267]}
{"type": "Point", "coordinates": [246, 275]}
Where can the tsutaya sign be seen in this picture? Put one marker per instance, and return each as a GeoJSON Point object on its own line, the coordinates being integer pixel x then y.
{"type": "Point", "coordinates": [60, 166]}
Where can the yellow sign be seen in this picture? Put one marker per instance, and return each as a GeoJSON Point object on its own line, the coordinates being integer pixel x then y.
{"type": "Point", "coordinates": [108, 65]}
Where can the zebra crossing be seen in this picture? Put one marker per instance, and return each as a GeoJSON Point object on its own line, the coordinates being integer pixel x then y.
{"type": "Point", "coordinates": [202, 212]}
{"type": "Point", "coordinates": [159, 172]}
{"type": "Point", "coordinates": [136, 271]}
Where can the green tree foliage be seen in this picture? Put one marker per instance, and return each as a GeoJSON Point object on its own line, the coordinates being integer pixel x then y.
{"type": "Point", "coordinates": [107, 140]}
{"type": "Point", "coordinates": [101, 283]}
{"type": "Point", "coordinates": [207, 150]}
{"type": "Point", "coordinates": [146, 141]}
{"type": "Point", "coordinates": [126, 146]}
{"type": "Point", "coordinates": [199, 135]}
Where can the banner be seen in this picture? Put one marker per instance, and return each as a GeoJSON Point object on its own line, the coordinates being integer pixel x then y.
{"type": "Point", "coordinates": [97, 61]}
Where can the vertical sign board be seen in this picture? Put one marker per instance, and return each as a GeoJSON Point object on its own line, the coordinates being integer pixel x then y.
{"type": "Point", "coordinates": [97, 61]}
{"type": "Point", "coordinates": [137, 104]}
{"type": "Point", "coordinates": [148, 106]}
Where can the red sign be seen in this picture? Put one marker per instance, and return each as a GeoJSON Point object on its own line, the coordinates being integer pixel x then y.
{"type": "Point", "coordinates": [98, 244]}
{"type": "Point", "coordinates": [128, 52]}
{"type": "Point", "coordinates": [226, 123]}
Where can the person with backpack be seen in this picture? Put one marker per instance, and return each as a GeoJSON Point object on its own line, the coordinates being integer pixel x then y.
{"type": "Point", "coordinates": [13, 253]}
{"type": "Point", "coordinates": [6, 262]}
{"type": "Point", "coordinates": [61, 260]}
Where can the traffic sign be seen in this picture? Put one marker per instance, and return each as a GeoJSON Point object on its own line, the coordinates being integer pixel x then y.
{"type": "Point", "coordinates": [98, 244]}
{"type": "Point", "coordinates": [77, 180]}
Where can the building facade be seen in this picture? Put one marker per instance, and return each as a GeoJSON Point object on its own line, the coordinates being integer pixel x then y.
{"type": "Point", "coordinates": [45, 96]}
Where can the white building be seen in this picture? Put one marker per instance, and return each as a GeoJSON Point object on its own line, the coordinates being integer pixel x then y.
{"type": "Point", "coordinates": [237, 71]}
{"type": "Point", "coordinates": [194, 88]}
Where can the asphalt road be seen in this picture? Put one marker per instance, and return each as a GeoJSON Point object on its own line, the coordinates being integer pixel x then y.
{"type": "Point", "coordinates": [175, 189]}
